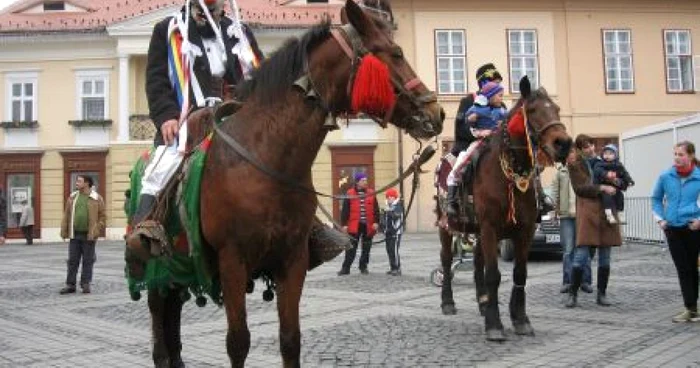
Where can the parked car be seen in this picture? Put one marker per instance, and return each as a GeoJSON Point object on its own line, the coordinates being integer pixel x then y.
{"type": "Point", "coordinates": [546, 239]}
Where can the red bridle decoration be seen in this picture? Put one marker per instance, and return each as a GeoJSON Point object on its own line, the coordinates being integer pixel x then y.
{"type": "Point", "coordinates": [516, 125]}
{"type": "Point", "coordinates": [372, 92]}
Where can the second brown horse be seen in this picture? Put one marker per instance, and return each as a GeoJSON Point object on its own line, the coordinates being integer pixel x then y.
{"type": "Point", "coordinates": [505, 212]}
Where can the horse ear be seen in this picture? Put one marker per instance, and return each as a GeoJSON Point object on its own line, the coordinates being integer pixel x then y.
{"type": "Point", "coordinates": [525, 87]}
{"type": "Point", "coordinates": [543, 91]}
{"type": "Point", "coordinates": [357, 17]}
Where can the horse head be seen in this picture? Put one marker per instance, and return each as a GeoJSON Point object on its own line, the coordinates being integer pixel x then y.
{"type": "Point", "coordinates": [404, 99]}
{"type": "Point", "coordinates": [542, 116]}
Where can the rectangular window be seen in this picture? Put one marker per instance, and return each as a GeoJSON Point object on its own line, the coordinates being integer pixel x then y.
{"type": "Point", "coordinates": [523, 59]}
{"type": "Point", "coordinates": [21, 97]}
{"type": "Point", "coordinates": [679, 61]}
{"type": "Point", "coordinates": [93, 95]}
{"type": "Point", "coordinates": [55, 6]}
{"type": "Point", "coordinates": [451, 61]}
{"type": "Point", "coordinates": [619, 69]}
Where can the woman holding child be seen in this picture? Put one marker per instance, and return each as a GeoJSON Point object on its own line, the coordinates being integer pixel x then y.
{"type": "Point", "coordinates": [592, 228]}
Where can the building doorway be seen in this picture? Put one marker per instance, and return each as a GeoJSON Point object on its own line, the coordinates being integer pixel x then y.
{"type": "Point", "coordinates": [20, 178]}
{"type": "Point", "coordinates": [345, 162]}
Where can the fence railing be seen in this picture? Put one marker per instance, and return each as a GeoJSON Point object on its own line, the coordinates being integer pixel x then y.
{"type": "Point", "coordinates": [641, 226]}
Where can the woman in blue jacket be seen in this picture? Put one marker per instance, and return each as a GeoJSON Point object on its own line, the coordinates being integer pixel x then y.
{"type": "Point", "coordinates": [679, 217]}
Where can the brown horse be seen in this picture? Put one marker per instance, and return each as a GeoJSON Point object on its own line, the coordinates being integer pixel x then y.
{"type": "Point", "coordinates": [505, 212]}
{"type": "Point", "coordinates": [253, 222]}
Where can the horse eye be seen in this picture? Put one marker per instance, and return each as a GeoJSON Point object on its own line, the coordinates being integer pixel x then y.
{"type": "Point", "coordinates": [398, 53]}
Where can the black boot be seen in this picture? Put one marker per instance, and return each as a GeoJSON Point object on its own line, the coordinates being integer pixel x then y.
{"type": "Point", "coordinates": [138, 250]}
{"type": "Point", "coordinates": [576, 276]}
{"type": "Point", "coordinates": [603, 276]}
{"type": "Point", "coordinates": [146, 203]}
{"type": "Point", "coordinates": [453, 201]}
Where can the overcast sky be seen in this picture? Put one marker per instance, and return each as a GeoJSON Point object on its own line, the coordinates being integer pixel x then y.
{"type": "Point", "coordinates": [5, 3]}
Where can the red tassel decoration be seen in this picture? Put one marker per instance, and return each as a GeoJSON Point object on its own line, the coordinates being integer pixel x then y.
{"type": "Point", "coordinates": [516, 125]}
{"type": "Point", "coordinates": [372, 92]}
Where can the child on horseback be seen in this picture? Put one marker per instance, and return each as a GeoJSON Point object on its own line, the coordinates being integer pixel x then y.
{"type": "Point", "coordinates": [484, 116]}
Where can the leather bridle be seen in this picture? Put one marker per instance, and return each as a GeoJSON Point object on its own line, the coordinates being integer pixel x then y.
{"type": "Point", "coordinates": [351, 43]}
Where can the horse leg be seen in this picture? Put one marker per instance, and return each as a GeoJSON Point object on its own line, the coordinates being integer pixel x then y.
{"type": "Point", "coordinates": [446, 256]}
{"type": "Point", "coordinates": [480, 283]}
{"type": "Point", "coordinates": [521, 323]}
{"type": "Point", "coordinates": [156, 305]}
{"type": "Point", "coordinates": [171, 327]}
{"type": "Point", "coordinates": [234, 280]}
{"type": "Point", "coordinates": [289, 289]}
{"type": "Point", "coordinates": [492, 316]}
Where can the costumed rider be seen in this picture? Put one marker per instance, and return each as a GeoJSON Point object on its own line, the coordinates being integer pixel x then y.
{"type": "Point", "coordinates": [194, 58]}
{"type": "Point", "coordinates": [193, 55]}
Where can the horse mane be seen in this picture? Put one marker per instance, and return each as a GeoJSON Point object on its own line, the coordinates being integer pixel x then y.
{"type": "Point", "coordinates": [273, 78]}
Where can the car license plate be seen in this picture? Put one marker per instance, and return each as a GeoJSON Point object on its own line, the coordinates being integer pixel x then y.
{"type": "Point", "coordinates": [552, 238]}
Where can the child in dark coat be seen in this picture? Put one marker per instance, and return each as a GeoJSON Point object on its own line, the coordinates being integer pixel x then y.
{"type": "Point", "coordinates": [394, 227]}
{"type": "Point", "coordinates": [611, 171]}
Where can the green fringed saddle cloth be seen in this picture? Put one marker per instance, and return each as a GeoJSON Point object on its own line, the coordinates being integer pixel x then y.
{"type": "Point", "coordinates": [183, 265]}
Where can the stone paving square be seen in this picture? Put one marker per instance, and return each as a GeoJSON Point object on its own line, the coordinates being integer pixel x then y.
{"type": "Point", "coordinates": [373, 320]}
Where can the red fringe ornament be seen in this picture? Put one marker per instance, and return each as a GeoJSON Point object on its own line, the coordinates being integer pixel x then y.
{"type": "Point", "coordinates": [372, 92]}
{"type": "Point", "coordinates": [516, 125]}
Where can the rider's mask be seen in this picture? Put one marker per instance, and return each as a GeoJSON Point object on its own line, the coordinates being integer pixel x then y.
{"type": "Point", "coordinates": [216, 10]}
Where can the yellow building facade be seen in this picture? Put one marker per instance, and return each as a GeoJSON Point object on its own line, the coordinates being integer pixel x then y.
{"type": "Point", "coordinates": [611, 65]}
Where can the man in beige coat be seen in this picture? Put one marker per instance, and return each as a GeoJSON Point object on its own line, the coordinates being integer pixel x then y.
{"type": "Point", "coordinates": [83, 222]}
{"type": "Point", "coordinates": [591, 226]}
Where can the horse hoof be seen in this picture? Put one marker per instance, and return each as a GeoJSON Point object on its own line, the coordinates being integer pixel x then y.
{"type": "Point", "coordinates": [449, 309]}
{"type": "Point", "coordinates": [495, 335]}
{"type": "Point", "coordinates": [524, 329]}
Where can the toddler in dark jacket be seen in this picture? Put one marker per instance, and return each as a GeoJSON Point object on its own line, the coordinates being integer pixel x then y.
{"type": "Point", "coordinates": [611, 171]}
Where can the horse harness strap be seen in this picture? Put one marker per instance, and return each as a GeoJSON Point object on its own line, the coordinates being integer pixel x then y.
{"type": "Point", "coordinates": [414, 168]}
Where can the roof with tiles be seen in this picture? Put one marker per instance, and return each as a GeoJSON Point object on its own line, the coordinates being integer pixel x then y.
{"type": "Point", "coordinates": [96, 15]}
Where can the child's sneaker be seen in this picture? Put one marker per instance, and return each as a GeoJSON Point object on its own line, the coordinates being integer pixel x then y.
{"type": "Point", "coordinates": [621, 218]}
{"type": "Point", "coordinates": [610, 217]}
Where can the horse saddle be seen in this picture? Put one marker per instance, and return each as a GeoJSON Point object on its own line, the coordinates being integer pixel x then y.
{"type": "Point", "coordinates": [200, 122]}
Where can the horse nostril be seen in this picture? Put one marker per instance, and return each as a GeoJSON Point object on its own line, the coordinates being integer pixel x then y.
{"type": "Point", "coordinates": [442, 114]}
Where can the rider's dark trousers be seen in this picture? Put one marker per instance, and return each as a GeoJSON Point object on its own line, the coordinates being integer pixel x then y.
{"type": "Point", "coordinates": [366, 247]}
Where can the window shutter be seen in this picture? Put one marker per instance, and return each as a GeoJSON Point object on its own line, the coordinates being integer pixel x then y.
{"type": "Point", "coordinates": [696, 72]}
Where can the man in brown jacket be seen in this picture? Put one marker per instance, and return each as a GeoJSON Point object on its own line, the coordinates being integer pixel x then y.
{"type": "Point", "coordinates": [591, 227]}
{"type": "Point", "coordinates": [83, 221]}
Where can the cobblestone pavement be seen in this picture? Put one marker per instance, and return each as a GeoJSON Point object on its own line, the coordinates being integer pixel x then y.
{"type": "Point", "coordinates": [373, 320]}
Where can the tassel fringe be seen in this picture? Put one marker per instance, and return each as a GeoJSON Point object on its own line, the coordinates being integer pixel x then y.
{"type": "Point", "coordinates": [372, 92]}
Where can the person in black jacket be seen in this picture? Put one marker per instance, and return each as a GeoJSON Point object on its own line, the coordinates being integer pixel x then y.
{"type": "Point", "coordinates": [215, 53]}
{"type": "Point", "coordinates": [463, 134]}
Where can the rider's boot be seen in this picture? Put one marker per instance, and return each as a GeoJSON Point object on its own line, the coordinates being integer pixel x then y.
{"type": "Point", "coordinates": [453, 201]}
{"type": "Point", "coordinates": [135, 243]}
{"type": "Point", "coordinates": [325, 243]}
